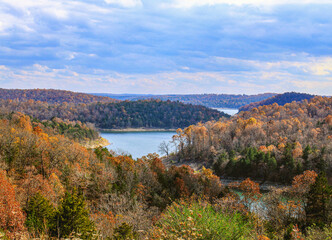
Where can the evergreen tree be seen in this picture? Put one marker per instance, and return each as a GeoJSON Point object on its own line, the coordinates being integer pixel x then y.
{"type": "Point", "coordinates": [288, 159]}
{"type": "Point", "coordinates": [124, 232]}
{"type": "Point", "coordinates": [40, 214]}
{"type": "Point", "coordinates": [218, 165]}
{"type": "Point", "coordinates": [230, 166]}
{"type": "Point", "coordinates": [306, 152]}
{"type": "Point", "coordinates": [320, 160]}
{"type": "Point", "coordinates": [272, 163]}
{"type": "Point", "coordinates": [318, 208]}
{"type": "Point", "coordinates": [72, 217]}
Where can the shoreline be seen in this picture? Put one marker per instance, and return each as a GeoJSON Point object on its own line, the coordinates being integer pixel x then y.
{"type": "Point", "coordinates": [100, 142]}
{"type": "Point", "coordinates": [117, 130]}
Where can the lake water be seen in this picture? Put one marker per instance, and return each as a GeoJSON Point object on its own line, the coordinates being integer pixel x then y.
{"type": "Point", "coordinates": [140, 144]}
{"type": "Point", "coordinates": [137, 144]}
{"type": "Point", "coordinates": [229, 111]}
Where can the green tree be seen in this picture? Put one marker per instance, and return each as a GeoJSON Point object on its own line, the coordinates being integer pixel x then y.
{"type": "Point", "coordinates": [218, 165]}
{"type": "Point", "coordinates": [124, 232]}
{"type": "Point", "coordinates": [288, 159]}
{"type": "Point", "coordinates": [271, 162]}
{"type": "Point", "coordinates": [306, 153]}
{"type": "Point", "coordinates": [318, 208]}
{"type": "Point", "coordinates": [40, 214]}
{"type": "Point", "coordinates": [320, 160]}
{"type": "Point", "coordinates": [73, 217]}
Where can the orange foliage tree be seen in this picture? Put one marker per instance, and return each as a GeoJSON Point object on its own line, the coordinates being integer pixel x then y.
{"type": "Point", "coordinates": [11, 215]}
{"type": "Point", "coordinates": [250, 192]}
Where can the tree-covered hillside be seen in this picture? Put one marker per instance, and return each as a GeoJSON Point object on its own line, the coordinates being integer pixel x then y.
{"type": "Point", "coordinates": [126, 114]}
{"type": "Point", "coordinates": [280, 99]}
{"type": "Point", "coordinates": [270, 142]}
{"type": "Point", "coordinates": [208, 100]}
{"type": "Point", "coordinates": [53, 188]}
{"type": "Point", "coordinates": [74, 130]}
{"type": "Point", "coordinates": [51, 96]}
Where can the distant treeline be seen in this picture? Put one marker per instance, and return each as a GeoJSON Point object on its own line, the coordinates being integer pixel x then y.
{"type": "Point", "coordinates": [126, 114]}
{"type": "Point", "coordinates": [51, 96]}
{"type": "Point", "coordinates": [280, 99]}
{"type": "Point", "coordinates": [208, 100]}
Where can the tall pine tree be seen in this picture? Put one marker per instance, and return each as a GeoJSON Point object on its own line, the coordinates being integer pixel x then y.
{"type": "Point", "coordinates": [40, 214]}
{"type": "Point", "coordinates": [318, 208]}
{"type": "Point", "coordinates": [73, 217]}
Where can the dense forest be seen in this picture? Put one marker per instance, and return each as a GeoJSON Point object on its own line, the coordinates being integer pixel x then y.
{"type": "Point", "coordinates": [126, 114]}
{"type": "Point", "coordinates": [74, 130]}
{"type": "Point", "coordinates": [53, 188]}
{"type": "Point", "coordinates": [208, 100]}
{"type": "Point", "coordinates": [280, 99]}
{"type": "Point", "coordinates": [270, 142]}
{"type": "Point", "coordinates": [51, 96]}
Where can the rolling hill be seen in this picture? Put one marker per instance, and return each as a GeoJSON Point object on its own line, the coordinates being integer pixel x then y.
{"type": "Point", "coordinates": [208, 100]}
{"type": "Point", "coordinates": [51, 96]}
{"type": "Point", "coordinates": [280, 99]}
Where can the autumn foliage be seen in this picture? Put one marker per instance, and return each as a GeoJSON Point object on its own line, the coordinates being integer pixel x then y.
{"type": "Point", "coordinates": [269, 142]}
{"type": "Point", "coordinates": [11, 215]}
{"type": "Point", "coordinates": [52, 186]}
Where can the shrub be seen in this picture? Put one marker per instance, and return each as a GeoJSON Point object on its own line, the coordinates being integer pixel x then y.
{"type": "Point", "coordinates": [124, 232]}
{"type": "Point", "coordinates": [316, 233]}
{"type": "Point", "coordinates": [199, 220]}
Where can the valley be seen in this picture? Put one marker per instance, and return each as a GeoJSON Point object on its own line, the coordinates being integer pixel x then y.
{"type": "Point", "coordinates": [129, 161]}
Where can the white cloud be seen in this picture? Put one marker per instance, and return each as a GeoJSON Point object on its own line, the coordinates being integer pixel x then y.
{"type": "Point", "coordinates": [258, 81]}
{"type": "Point", "coordinates": [321, 67]}
{"type": "Point", "coordinates": [314, 87]}
{"type": "Point", "coordinates": [185, 68]}
{"type": "Point", "coordinates": [198, 3]}
{"type": "Point", "coordinates": [316, 66]}
{"type": "Point", "coordinates": [125, 3]}
{"type": "Point", "coordinates": [30, 15]}
{"type": "Point", "coordinates": [100, 46]}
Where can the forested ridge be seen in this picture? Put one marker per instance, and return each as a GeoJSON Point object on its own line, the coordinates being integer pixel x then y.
{"type": "Point", "coordinates": [208, 100]}
{"type": "Point", "coordinates": [51, 96]}
{"type": "Point", "coordinates": [280, 99]}
{"type": "Point", "coordinates": [125, 114]}
{"type": "Point", "coordinates": [74, 130]}
{"type": "Point", "coordinates": [270, 142]}
{"type": "Point", "coordinates": [53, 188]}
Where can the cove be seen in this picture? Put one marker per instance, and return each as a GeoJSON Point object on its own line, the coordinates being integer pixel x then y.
{"type": "Point", "coordinates": [137, 144]}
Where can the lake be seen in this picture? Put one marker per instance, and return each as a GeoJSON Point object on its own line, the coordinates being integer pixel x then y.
{"type": "Point", "coordinates": [137, 144]}
{"type": "Point", "coordinates": [229, 111]}
{"type": "Point", "coordinates": [140, 144]}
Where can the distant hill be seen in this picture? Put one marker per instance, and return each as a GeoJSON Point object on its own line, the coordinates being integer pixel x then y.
{"type": "Point", "coordinates": [208, 100]}
{"type": "Point", "coordinates": [124, 114]}
{"type": "Point", "coordinates": [126, 96]}
{"type": "Point", "coordinates": [280, 99]}
{"type": "Point", "coordinates": [51, 96]}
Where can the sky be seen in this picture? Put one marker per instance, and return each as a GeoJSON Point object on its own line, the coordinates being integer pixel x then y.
{"type": "Point", "coordinates": [167, 46]}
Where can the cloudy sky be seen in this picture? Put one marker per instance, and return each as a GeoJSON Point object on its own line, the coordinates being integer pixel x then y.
{"type": "Point", "coordinates": [167, 46]}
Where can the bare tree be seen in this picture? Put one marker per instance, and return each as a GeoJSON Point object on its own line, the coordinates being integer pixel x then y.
{"type": "Point", "coordinates": [164, 148]}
